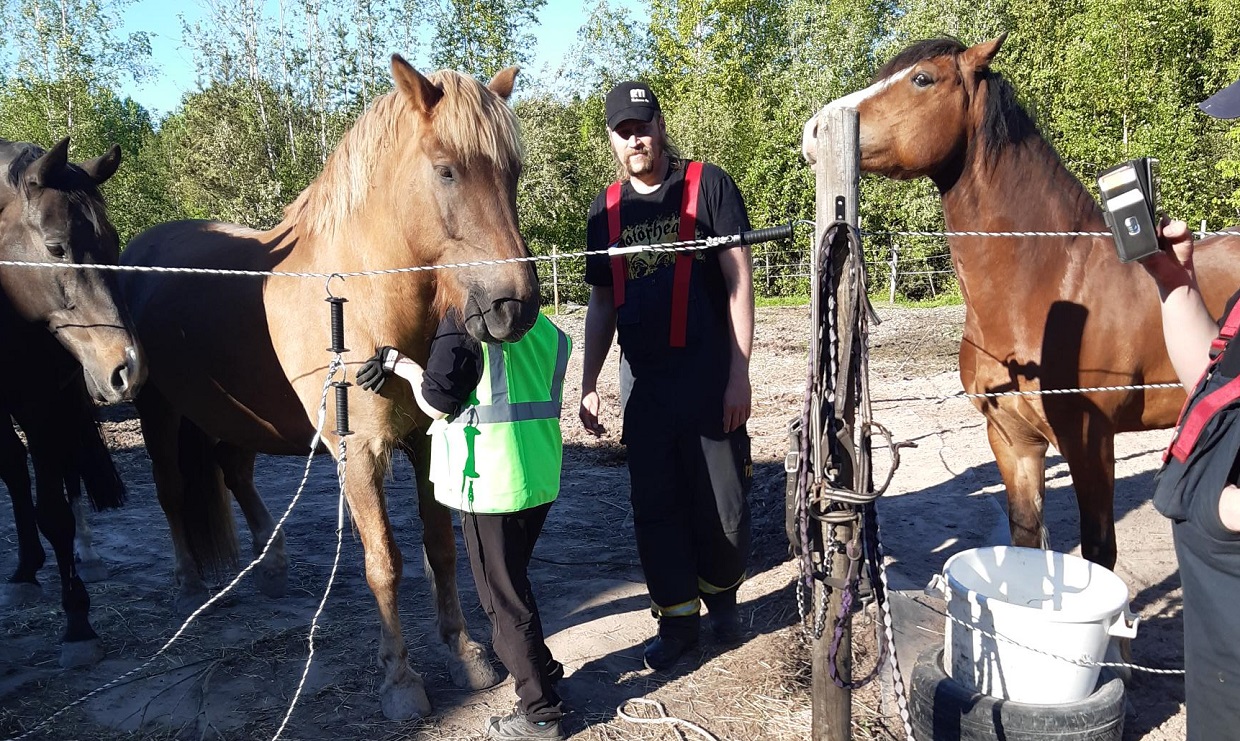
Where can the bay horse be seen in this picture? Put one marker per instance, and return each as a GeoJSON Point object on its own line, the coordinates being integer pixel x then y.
{"type": "Point", "coordinates": [69, 338]}
{"type": "Point", "coordinates": [427, 175]}
{"type": "Point", "coordinates": [1040, 313]}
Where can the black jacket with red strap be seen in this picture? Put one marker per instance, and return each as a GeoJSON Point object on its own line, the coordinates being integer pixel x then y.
{"type": "Point", "coordinates": [1206, 445]}
{"type": "Point", "coordinates": [1200, 462]}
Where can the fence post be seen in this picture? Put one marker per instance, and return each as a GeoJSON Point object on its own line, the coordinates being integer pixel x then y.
{"type": "Point", "coordinates": [555, 280]}
{"type": "Point", "coordinates": [837, 190]}
{"type": "Point", "coordinates": [895, 259]}
{"type": "Point", "coordinates": [767, 256]}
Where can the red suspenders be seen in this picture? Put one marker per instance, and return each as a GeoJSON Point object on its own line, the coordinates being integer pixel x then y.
{"type": "Point", "coordinates": [1203, 411]}
{"type": "Point", "coordinates": [684, 260]}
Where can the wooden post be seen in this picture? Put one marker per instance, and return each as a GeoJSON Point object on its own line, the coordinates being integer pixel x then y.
{"type": "Point", "coordinates": [837, 190]}
{"type": "Point", "coordinates": [555, 280]}
{"type": "Point", "coordinates": [895, 259]}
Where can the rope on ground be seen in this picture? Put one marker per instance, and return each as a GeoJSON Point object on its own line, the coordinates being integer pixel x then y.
{"type": "Point", "coordinates": [663, 718]}
{"type": "Point", "coordinates": [318, 433]}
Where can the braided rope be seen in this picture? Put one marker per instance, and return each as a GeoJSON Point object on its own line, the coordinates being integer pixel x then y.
{"type": "Point", "coordinates": [314, 442]}
{"type": "Point", "coordinates": [692, 245]}
{"type": "Point", "coordinates": [1044, 392]}
{"type": "Point", "coordinates": [1198, 235]}
{"type": "Point", "coordinates": [1077, 662]}
{"type": "Point", "coordinates": [663, 718]}
{"type": "Point", "coordinates": [341, 461]}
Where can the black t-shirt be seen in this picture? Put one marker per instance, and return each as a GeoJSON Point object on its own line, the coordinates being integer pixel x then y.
{"type": "Point", "coordinates": [654, 218]}
{"type": "Point", "coordinates": [454, 366]}
{"type": "Point", "coordinates": [644, 319]}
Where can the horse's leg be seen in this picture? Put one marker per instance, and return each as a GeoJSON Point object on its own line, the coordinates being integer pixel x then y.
{"type": "Point", "coordinates": [90, 566]}
{"type": "Point", "coordinates": [79, 644]}
{"type": "Point", "coordinates": [467, 659]}
{"type": "Point", "coordinates": [402, 695]}
{"type": "Point", "coordinates": [23, 586]}
{"type": "Point", "coordinates": [161, 432]}
{"type": "Point", "coordinates": [1091, 461]}
{"type": "Point", "coordinates": [1020, 453]}
{"type": "Point", "coordinates": [238, 467]}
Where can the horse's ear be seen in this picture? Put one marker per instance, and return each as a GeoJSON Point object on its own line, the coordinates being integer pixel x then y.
{"type": "Point", "coordinates": [501, 84]}
{"type": "Point", "coordinates": [44, 169]}
{"type": "Point", "coordinates": [104, 166]}
{"type": "Point", "coordinates": [410, 82]}
{"type": "Point", "coordinates": [980, 55]}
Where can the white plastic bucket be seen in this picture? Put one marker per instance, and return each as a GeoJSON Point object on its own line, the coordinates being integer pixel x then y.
{"type": "Point", "coordinates": [1044, 601]}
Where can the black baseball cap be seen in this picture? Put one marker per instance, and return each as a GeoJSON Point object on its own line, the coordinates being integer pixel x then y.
{"type": "Point", "coordinates": [631, 100]}
{"type": "Point", "coordinates": [1223, 104]}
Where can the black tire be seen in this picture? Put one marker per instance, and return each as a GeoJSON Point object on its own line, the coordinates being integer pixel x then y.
{"type": "Point", "coordinates": [943, 710]}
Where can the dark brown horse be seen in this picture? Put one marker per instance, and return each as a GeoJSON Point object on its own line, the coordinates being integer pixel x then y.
{"type": "Point", "coordinates": [426, 176]}
{"type": "Point", "coordinates": [1041, 313]}
{"type": "Point", "coordinates": [56, 322]}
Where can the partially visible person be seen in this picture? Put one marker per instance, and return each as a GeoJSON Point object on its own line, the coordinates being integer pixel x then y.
{"type": "Point", "coordinates": [685, 324]}
{"type": "Point", "coordinates": [496, 455]}
{"type": "Point", "coordinates": [1197, 487]}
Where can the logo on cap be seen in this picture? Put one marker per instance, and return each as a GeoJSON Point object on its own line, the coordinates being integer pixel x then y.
{"type": "Point", "coordinates": [637, 95]}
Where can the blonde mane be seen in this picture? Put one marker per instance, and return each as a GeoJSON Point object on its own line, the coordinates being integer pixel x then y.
{"type": "Point", "coordinates": [469, 121]}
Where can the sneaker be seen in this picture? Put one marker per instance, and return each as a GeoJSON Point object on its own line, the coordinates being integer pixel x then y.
{"type": "Point", "coordinates": [518, 727]}
{"type": "Point", "coordinates": [663, 652]}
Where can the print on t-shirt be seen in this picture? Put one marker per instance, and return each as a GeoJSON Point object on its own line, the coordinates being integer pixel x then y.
{"type": "Point", "coordinates": [658, 231]}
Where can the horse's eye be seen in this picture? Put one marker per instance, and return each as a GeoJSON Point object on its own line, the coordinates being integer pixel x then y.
{"type": "Point", "coordinates": [921, 79]}
{"type": "Point", "coordinates": [444, 172]}
{"type": "Point", "coordinates": [55, 249]}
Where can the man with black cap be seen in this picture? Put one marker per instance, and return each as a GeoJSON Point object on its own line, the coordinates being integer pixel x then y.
{"type": "Point", "coordinates": [1197, 487]}
{"type": "Point", "coordinates": [685, 322]}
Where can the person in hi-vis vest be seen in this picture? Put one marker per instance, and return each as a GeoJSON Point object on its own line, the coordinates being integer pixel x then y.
{"type": "Point", "coordinates": [496, 455]}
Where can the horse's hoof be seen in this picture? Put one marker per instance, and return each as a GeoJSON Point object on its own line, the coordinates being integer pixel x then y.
{"type": "Point", "coordinates": [20, 593]}
{"type": "Point", "coordinates": [470, 670]}
{"type": "Point", "coordinates": [405, 700]}
{"type": "Point", "coordinates": [92, 571]}
{"type": "Point", "coordinates": [187, 602]}
{"type": "Point", "coordinates": [272, 582]}
{"type": "Point", "coordinates": [80, 653]}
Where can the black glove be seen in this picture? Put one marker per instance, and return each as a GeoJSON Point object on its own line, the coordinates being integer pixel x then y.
{"type": "Point", "coordinates": [374, 372]}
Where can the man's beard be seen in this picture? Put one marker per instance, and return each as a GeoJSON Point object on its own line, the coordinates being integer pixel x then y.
{"type": "Point", "coordinates": [643, 166]}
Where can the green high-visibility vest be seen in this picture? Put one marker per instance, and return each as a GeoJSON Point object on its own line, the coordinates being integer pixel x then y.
{"type": "Point", "coordinates": [503, 452]}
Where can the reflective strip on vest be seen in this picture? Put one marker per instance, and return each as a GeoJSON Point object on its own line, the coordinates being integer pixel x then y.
{"type": "Point", "coordinates": [500, 410]}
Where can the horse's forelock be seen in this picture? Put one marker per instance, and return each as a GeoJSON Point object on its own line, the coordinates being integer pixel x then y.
{"type": "Point", "coordinates": [472, 122]}
{"type": "Point", "coordinates": [82, 192]}
{"type": "Point", "coordinates": [920, 51]}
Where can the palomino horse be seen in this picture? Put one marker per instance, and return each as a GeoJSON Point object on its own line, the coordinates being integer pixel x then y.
{"type": "Point", "coordinates": [427, 175]}
{"type": "Point", "coordinates": [51, 212]}
{"type": "Point", "coordinates": [1040, 313]}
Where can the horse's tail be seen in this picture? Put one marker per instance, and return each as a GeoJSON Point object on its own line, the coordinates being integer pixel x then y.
{"type": "Point", "coordinates": [207, 522]}
{"type": "Point", "coordinates": [104, 486]}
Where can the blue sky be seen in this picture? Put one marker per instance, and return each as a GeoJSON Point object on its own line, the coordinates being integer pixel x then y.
{"type": "Point", "coordinates": [174, 64]}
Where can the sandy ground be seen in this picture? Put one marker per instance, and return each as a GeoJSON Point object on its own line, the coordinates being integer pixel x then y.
{"type": "Point", "coordinates": [235, 670]}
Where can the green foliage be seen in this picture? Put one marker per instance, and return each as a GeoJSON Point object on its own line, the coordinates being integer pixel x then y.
{"type": "Point", "coordinates": [481, 37]}
{"type": "Point", "coordinates": [277, 86]}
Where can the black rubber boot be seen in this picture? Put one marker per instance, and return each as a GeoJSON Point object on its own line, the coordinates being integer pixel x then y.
{"type": "Point", "coordinates": [725, 617]}
{"type": "Point", "coordinates": [677, 636]}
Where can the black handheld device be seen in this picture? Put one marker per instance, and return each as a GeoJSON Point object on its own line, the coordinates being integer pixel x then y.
{"type": "Point", "coordinates": [1130, 206]}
